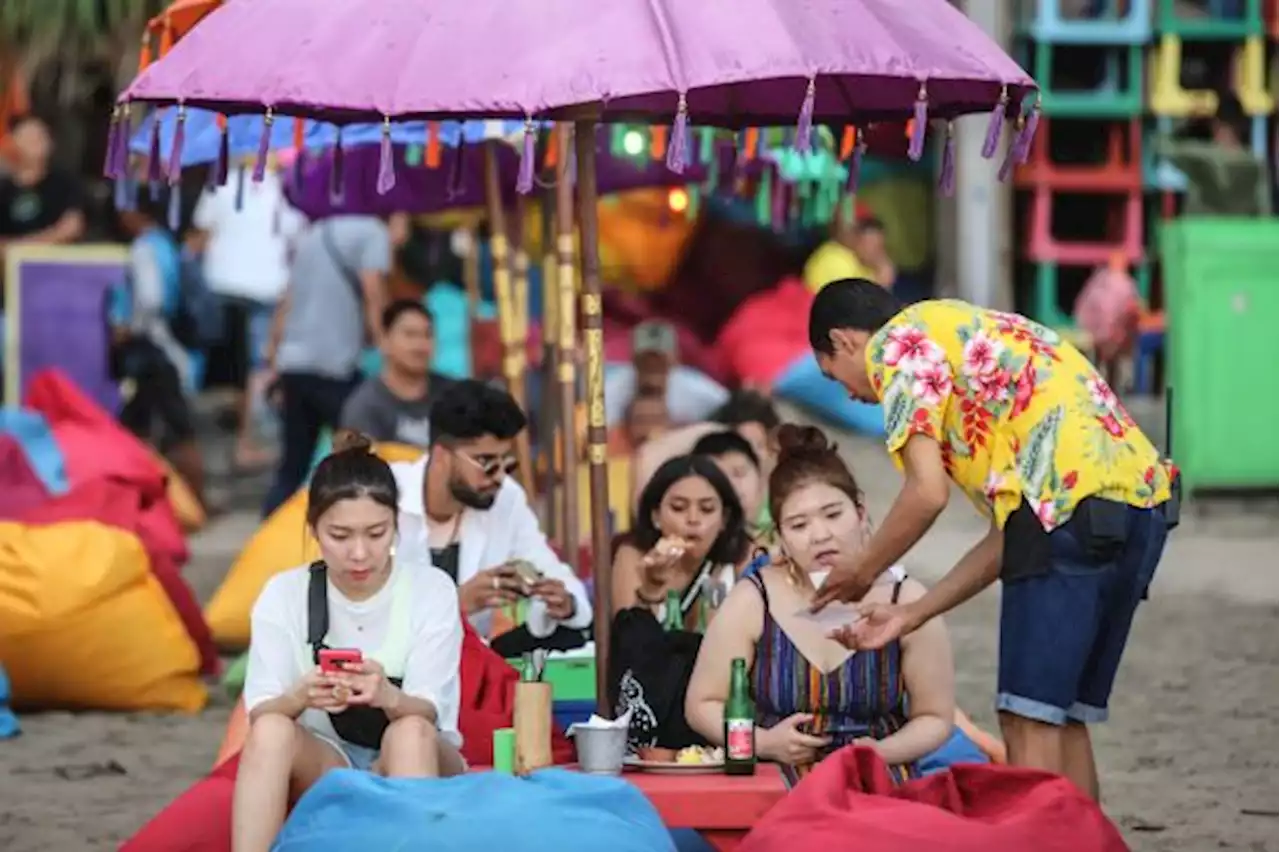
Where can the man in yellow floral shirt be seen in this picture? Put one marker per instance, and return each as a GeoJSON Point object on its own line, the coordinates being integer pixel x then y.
{"type": "Point", "coordinates": [1023, 424]}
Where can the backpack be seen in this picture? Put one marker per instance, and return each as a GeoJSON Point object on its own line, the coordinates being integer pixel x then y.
{"type": "Point", "coordinates": [193, 311]}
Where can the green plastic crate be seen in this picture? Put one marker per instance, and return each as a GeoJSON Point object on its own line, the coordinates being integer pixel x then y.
{"type": "Point", "coordinates": [1208, 27]}
{"type": "Point", "coordinates": [1222, 295]}
{"type": "Point", "coordinates": [571, 679]}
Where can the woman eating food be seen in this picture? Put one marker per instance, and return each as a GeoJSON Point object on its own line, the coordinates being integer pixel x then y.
{"type": "Point", "coordinates": [812, 695]}
{"type": "Point", "coordinates": [353, 660]}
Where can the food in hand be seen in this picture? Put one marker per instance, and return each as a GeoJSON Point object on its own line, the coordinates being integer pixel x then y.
{"type": "Point", "coordinates": [672, 546]}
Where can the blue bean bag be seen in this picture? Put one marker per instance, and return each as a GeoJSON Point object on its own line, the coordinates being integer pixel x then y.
{"type": "Point", "coordinates": [958, 749]}
{"type": "Point", "coordinates": [8, 721]}
{"type": "Point", "coordinates": [553, 810]}
{"type": "Point", "coordinates": [803, 384]}
{"type": "Point", "coordinates": [32, 432]}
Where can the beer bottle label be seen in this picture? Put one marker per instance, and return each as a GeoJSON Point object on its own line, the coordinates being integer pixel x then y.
{"type": "Point", "coordinates": [740, 739]}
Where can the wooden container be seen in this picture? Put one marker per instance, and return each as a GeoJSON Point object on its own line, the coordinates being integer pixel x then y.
{"type": "Point", "coordinates": [533, 726]}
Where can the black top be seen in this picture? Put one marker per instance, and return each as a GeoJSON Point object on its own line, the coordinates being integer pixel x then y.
{"type": "Point", "coordinates": [25, 210]}
{"type": "Point", "coordinates": [446, 559]}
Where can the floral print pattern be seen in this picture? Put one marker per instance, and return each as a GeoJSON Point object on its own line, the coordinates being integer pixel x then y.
{"type": "Point", "coordinates": [1019, 413]}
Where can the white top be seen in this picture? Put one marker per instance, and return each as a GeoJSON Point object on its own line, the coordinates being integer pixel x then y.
{"type": "Point", "coordinates": [428, 662]}
{"type": "Point", "coordinates": [247, 256]}
{"type": "Point", "coordinates": [486, 539]}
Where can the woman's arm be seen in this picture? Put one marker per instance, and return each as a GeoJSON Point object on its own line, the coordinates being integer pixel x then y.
{"type": "Point", "coordinates": [271, 676]}
{"type": "Point", "coordinates": [733, 633]}
{"type": "Point", "coordinates": [627, 570]}
{"type": "Point", "coordinates": [929, 675]}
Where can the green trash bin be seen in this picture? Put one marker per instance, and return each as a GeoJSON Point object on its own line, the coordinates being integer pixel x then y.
{"type": "Point", "coordinates": [1221, 280]}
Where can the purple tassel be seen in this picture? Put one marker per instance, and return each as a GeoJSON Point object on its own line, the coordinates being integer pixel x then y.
{"type": "Point", "coordinates": [122, 193]}
{"type": "Point", "coordinates": [337, 181]}
{"type": "Point", "coordinates": [779, 205]}
{"type": "Point", "coordinates": [222, 170]}
{"type": "Point", "coordinates": [239, 200]}
{"type": "Point", "coordinates": [264, 148]}
{"type": "Point", "coordinates": [1022, 145]}
{"type": "Point", "coordinates": [121, 166]}
{"type": "Point", "coordinates": [175, 207]}
{"type": "Point", "coordinates": [678, 144]}
{"type": "Point", "coordinates": [995, 126]}
{"type": "Point", "coordinates": [153, 154]}
{"type": "Point", "coordinates": [386, 161]}
{"type": "Point", "coordinates": [457, 172]}
{"type": "Point", "coordinates": [153, 190]}
{"type": "Point", "coordinates": [947, 179]}
{"type": "Point", "coordinates": [855, 163]}
{"type": "Point", "coordinates": [920, 125]}
{"type": "Point", "coordinates": [524, 179]}
{"type": "Point", "coordinates": [175, 151]}
{"type": "Point", "coordinates": [113, 142]}
{"type": "Point", "coordinates": [804, 124]}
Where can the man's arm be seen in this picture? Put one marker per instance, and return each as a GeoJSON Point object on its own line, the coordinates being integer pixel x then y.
{"type": "Point", "coordinates": [373, 285]}
{"type": "Point", "coordinates": [68, 229]}
{"type": "Point", "coordinates": [922, 498]}
{"type": "Point", "coordinates": [976, 570]}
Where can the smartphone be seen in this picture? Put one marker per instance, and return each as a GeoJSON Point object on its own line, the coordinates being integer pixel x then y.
{"type": "Point", "coordinates": [526, 571]}
{"type": "Point", "coordinates": [335, 660]}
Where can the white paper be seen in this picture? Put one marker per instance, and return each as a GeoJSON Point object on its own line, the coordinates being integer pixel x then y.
{"type": "Point", "coordinates": [597, 723]}
{"type": "Point", "coordinates": [831, 617]}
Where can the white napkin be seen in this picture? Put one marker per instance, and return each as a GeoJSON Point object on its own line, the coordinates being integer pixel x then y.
{"type": "Point", "coordinates": [598, 723]}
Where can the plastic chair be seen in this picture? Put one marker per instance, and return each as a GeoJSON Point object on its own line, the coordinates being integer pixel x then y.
{"type": "Point", "coordinates": [1119, 95]}
{"type": "Point", "coordinates": [1128, 27]}
{"type": "Point", "coordinates": [1044, 301]}
{"type": "Point", "coordinates": [1168, 98]}
{"type": "Point", "coordinates": [1043, 247]}
{"type": "Point", "coordinates": [1121, 171]}
{"type": "Point", "coordinates": [1219, 24]}
{"type": "Point", "coordinates": [1149, 345]}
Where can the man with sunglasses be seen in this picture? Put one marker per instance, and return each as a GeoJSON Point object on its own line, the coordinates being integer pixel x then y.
{"type": "Point", "coordinates": [461, 509]}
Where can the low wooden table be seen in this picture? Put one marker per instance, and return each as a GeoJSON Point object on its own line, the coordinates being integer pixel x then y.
{"type": "Point", "coordinates": [722, 808]}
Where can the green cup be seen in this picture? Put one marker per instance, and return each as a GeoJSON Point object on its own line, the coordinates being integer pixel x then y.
{"type": "Point", "coordinates": [504, 751]}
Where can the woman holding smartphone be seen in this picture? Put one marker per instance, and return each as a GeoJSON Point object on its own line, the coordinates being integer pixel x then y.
{"type": "Point", "coordinates": [812, 694]}
{"type": "Point", "coordinates": [354, 659]}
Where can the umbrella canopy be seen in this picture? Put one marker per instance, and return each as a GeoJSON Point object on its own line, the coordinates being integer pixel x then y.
{"type": "Point", "coordinates": [734, 62]}
{"type": "Point", "coordinates": [179, 17]}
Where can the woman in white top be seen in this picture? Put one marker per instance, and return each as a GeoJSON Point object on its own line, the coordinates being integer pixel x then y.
{"type": "Point", "coordinates": [395, 710]}
{"type": "Point", "coordinates": [689, 537]}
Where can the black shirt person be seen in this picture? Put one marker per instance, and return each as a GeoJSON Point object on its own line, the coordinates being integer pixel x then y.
{"type": "Point", "coordinates": [39, 205]}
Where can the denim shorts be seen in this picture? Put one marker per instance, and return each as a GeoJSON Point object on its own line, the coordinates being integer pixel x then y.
{"type": "Point", "coordinates": [356, 756]}
{"type": "Point", "coordinates": [1062, 632]}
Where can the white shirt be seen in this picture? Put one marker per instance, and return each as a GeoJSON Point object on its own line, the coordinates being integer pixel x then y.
{"type": "Point", "coordinates": [486, 539]}
{"type": "Point", "coordinates": [691, 394]}
{"type": "Point", "coordinates": [248, 252]}
{"type": "Point", "coordinates": [279, 654]}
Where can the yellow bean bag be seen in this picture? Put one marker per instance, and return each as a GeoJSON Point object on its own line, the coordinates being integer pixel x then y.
{"type": "Point", "coordinates": [280, 543]}
{"type": "Point", "coordinates": [85, 624]}
{"type": "Point", "coordinates": [184, 501]}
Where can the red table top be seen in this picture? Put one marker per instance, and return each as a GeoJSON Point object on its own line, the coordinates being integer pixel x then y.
{"type": "Point", "coordinates": [711, 801]}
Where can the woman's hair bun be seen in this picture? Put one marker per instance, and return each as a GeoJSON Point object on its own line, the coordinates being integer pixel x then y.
{"type": "Point", "coordinates": [351, 441]}
{"type": "Point", "coordinates": [797, 440]}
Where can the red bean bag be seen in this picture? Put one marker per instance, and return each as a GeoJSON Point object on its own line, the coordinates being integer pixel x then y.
{"type": "Point", "coordinates": [767, 333]}
{"type": "Point", "coordinates": [120, 504]}
{"type": "Point", "coordinates": [848, 801]}
{"type": "Point", "coordinates": [20, 487]}
{"type": "Point", "coordinates": [94, 446]}
{"type": "Point", "coordinates": [197, 821]}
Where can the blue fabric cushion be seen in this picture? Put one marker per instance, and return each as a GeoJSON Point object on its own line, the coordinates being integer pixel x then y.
{"type": "Point", "coordinates": [803, 384]}
{"type": "Point", "coordinates": [8, 721]}
{"type": "Point", "coordinates": [553, 810]}
{"type": "Point", "coordinates": [32, 432]}
{"type": "Point", "coordinates": [958, 749]}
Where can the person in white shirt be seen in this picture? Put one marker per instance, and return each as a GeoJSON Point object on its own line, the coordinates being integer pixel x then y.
{"type": "Point", "coordinates": [461, 510]}
{"type": "Point", "coordinates": [394, 710]}
{"type": "Point", "coordinates": [247, 229]}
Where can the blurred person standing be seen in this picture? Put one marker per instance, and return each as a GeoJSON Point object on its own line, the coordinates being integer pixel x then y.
{"type": "Point", "coordinates": [246, 229]}
{"type": "Point", "coordinates": [655, 369]}
{"type": "Point", "coordinates": [395, 405]}
{"type": "Point", "coordinates": [856, 250]}
{"type": "Point", "coordinates": [333, 305]}
{"type": "Point", "coordinates": [39, 205]}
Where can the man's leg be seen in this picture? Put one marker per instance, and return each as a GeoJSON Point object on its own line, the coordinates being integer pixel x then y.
{"type": "Point", "coordinates": [1077, 759]}
{"type": "Point", "coordinates": [300, 428]}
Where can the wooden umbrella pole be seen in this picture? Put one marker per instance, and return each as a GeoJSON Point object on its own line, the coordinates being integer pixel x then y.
{"type": "Point", "coordinates": [513, 348]}
{"type": "Point", "coordinates": [519, 352]}
{"type": "Point", "coordinates": [550, 401]}
{"type": "Point", "coordinates": [597, 437]}
{"type": "Point", "coordinates": [566, 351]}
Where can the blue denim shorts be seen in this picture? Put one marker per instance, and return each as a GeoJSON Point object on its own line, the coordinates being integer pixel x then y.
{"type": "Point", "coordinates": [1062, 632]}
{"type": "Point", "coordinates": [356, 756]}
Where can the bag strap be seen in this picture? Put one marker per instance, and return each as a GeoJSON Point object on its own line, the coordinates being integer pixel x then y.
{"type": "Point", "coordinates": [352, 278]}
{"type": "Point", "coordinates": [317, 608]}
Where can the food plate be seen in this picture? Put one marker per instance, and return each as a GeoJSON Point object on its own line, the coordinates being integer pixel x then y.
{"type": "Point", "coordinates": [670, 767]}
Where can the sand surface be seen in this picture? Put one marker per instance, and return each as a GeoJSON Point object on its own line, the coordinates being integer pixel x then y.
{"type": "Point", "coordinates": [1189, 760]}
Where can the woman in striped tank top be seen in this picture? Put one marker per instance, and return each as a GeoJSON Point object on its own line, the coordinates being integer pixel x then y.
{"type": "Point", "coordinates": [812, 695]}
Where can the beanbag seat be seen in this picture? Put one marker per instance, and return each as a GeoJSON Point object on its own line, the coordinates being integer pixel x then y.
{"type": "Point", "coordinates": [803, 384]}
{"type": "Point", "coordinates": [849, 801]}
{"type": "Point", "coordinates": [33, 434]}
{"type": "Point", "coordinates": [20, 486]}
{"type": "Point", "coordinates": [553, 810]}
{"type": "Point", "coordinates": [84, 623]}
{"type": "Point", "coordinates": [767, 333]}
{"type": "Point", "coordinates": [280, 543]}
{"type": "Point", "coordinates": [186, 506]}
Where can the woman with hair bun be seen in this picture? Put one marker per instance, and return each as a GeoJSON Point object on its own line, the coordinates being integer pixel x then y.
{"type": "Point", "coordinates": [353, 659]}
{"type": "Point", "coordinates": [812, 694]}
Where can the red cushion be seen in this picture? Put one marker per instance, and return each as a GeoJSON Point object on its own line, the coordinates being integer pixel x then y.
{"type": "Point", "coordinates": [767, 333]}
{"type": "Point", "coordinates": [968, 808]}
{"type": "Point", "coordinates": [20, 487]}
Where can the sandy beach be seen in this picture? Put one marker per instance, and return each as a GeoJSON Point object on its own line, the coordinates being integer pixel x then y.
{"type": "Point", "coordinates": [1188, 762]}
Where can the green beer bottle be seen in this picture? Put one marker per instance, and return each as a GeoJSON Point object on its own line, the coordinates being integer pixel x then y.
{"type": "Point", "coordinates": [739, 724]}
{"type": "Point", "coordinates": [674, 619]}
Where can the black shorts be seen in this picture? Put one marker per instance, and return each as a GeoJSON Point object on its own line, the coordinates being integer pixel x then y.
{"type": "Point", "coordinates": [157, 398]}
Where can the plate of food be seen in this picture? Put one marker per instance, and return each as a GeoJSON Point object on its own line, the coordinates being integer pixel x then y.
{"type": "Point", "coordinates": [686, 761]}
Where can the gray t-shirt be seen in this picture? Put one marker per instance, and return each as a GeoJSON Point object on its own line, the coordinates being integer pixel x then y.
{"type": "Point", "coordinates": [374, 410]}
{"type": "Point", "coordinates": [324, 329]}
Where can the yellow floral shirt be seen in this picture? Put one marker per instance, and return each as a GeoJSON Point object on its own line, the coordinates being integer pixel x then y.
{"type": "Point", "coordinates": [1019, 412]}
